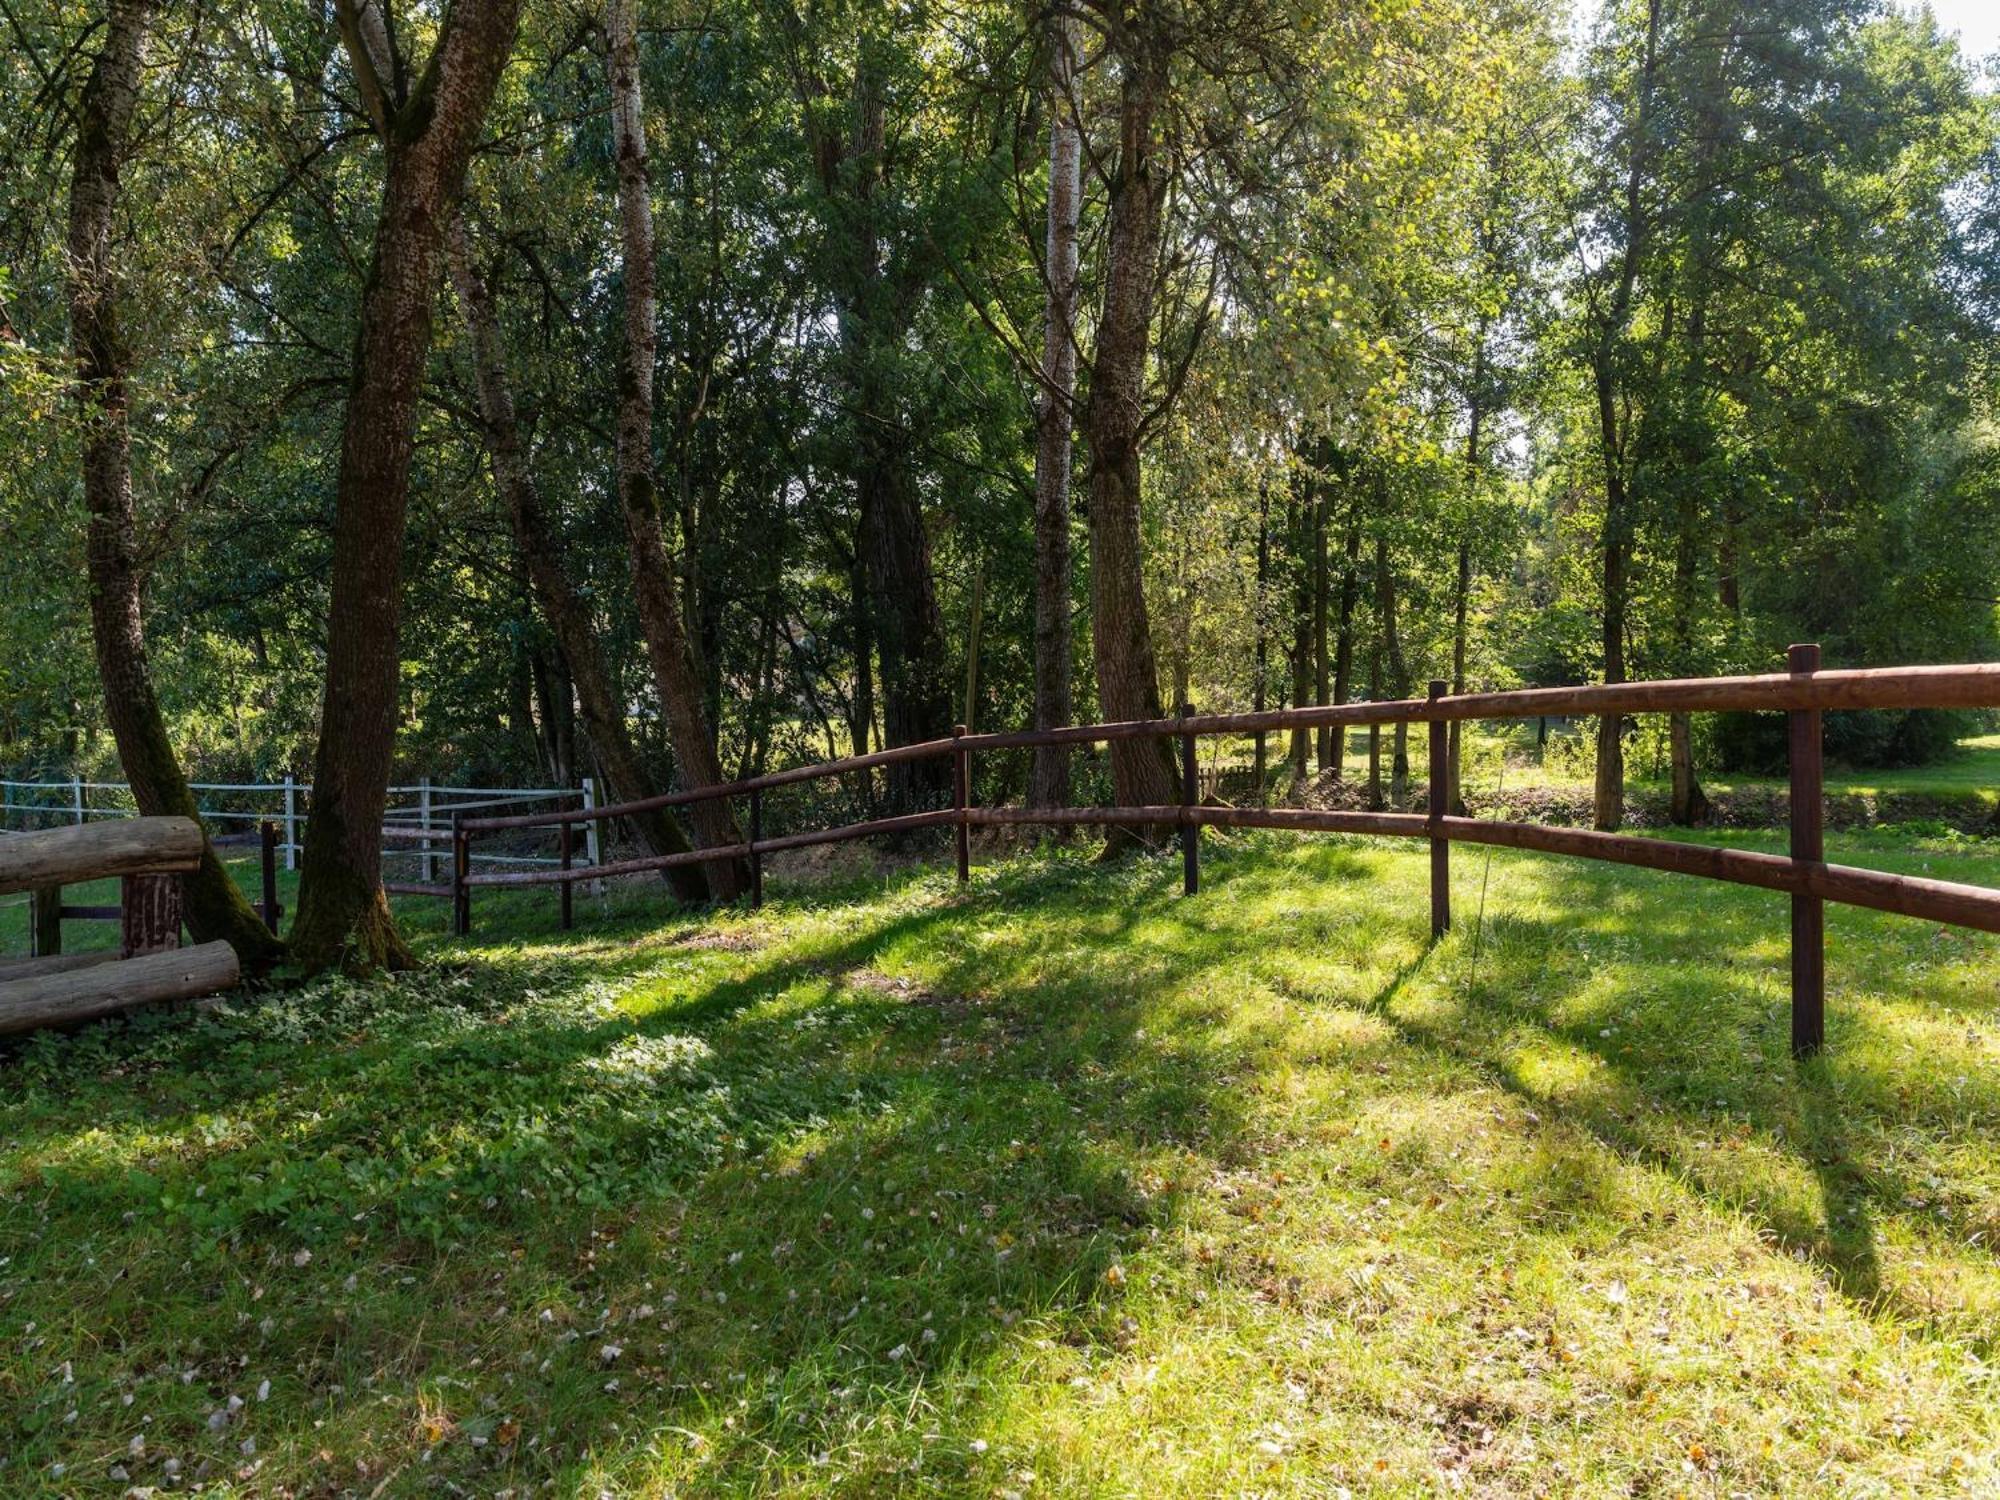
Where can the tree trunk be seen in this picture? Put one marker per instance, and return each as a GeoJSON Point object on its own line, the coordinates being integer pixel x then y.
{"type": "Point", "coordinates": [213, 905]}
{"type": "Point", "coordinates": [654, 584]}
{"type": "Point", "coordinates": [1399, 673]}
{"type": "Point", "coordinates": [1048, 781]}
{"type": "Point", "coordinates": [1300, 544]}
{"type": "Point", "coordinates": [568, 613]}
{"type": "Point", "coordinates": [1260, 688]}
{"type": "Point", "coordinates": [1609, 792]}
{"type": "Point", "coordinates": [1343, 651]}
{"type": "Point", "coordinates": [1462, 589]}
{"type": "Point", "coordinates": [892, 547]}
{"type": "Point", "coordinates": [1375, 800]}
{"type": "Point", "coordinates": [1321, 590]}
{"type": "Point", "coordinates": [1127, 673]}
{"type": "Point", "coordinates": [427, 139]}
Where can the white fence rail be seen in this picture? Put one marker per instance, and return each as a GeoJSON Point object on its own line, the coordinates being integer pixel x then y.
{"type": "Point", "coordinates": [423, 808]}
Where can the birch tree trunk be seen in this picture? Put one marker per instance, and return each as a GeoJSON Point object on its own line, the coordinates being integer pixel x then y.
{"type": "Point", "coordinates": [428, 121]}
{"type": "Point", "coordinates": [568, 614]}
{"type": "Point", "coordinates": [1048, 782]}
{"type": "Point", "coordinates": [653, 577]}
{"type": "Point", "coordinates": [213, 905]}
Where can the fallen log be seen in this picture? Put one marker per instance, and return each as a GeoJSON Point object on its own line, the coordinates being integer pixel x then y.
{"type": "Point", "coordinates": [59, 963]}
{"type": "Point", "coordinates": [105, 989]}
{"type": "Point", "coordinates": [92, 851]}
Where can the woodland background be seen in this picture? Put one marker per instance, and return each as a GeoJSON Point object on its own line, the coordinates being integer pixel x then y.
{"type": "Point", "coordinates": [1412, 338]}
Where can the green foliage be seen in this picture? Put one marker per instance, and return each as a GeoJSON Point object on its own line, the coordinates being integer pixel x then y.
{"type": "Point", "coordinates": [892, 1189]}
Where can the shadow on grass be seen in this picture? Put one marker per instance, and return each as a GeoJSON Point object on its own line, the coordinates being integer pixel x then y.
{"type": "Point", "coordinates": [720, 1203]}
{"type": "Point", "coordinates": [1684, 1049]}
{"type": "Point", "coordinates": [785, 1186]}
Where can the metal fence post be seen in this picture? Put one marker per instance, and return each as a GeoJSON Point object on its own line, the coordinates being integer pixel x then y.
{"type": "Point", "coordinates": [291, 822]}
{"type": "Point", "coordinates": [428, 859]}
{"type": "Point", "coordinates": [1190, 799]}
{"type": "Point", "coordinates": [590, 851]}
{"type": "Point", "coordinates": [1808, 844]}
{"type": "Point", "coordinates": [961, 797]}
{"type": "Point", "coordinates": [76, 796]}
{"type": "Point", "coordinates": [756, 838]}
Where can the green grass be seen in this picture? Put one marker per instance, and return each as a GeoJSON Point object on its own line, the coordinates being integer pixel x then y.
{"type": "Point", "coordinates": [1062, 1184]}
{"type": "Point", "coordinates": [1972, 774]}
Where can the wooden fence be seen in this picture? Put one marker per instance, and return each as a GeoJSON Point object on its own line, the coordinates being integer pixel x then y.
{"type": "Point", "coordinates": [1804, 693]}
{"type": "Point", "coordinates": [148, 856]}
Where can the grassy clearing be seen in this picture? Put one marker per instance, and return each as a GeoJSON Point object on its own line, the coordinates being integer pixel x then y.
{"type": "Point", "coordinates": [1507, 761]}
{"type": "Point", "coordinates": [1059, 1185]}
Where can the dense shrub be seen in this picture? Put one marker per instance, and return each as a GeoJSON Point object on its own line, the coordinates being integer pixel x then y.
{"type": "Point", "coordinates": [1872, 739]}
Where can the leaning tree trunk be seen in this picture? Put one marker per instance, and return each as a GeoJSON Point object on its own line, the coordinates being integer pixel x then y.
{"type": "Point", "coordinates": [213, 905]}
{"type": "Point", "coordinates": [1048, 781]}
{"type": "Point", "coordinates": [1127, 674]}
{"type": "Point", "coordinates": [653, 576]}
{"type": "Point", "coordinates": [427, 129]}
{"type": "Point", "coordinates": [568, 614]}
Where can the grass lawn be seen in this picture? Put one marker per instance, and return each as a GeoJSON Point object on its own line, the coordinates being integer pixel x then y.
{"type": "Point", "coordinates": [1060, 1185]}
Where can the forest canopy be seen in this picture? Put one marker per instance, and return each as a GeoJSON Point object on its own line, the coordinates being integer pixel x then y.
{"type": "Point", "coordinates": [666, 392]}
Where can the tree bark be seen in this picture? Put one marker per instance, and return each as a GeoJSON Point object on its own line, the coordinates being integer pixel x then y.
{"type": "Point", "coordinates": [653, 579]}
{"type": "Point", "coordinates": [1321, 593]}
{"type": "Point", "coordinates": [215, 909]}
{"type": "Point", "coordinates": [1300, 546]}
{"type": "Point", "coordinates": [1343, 650]}
{"type": "Point", "coordinates": [1260, 688]}
{"type": "Point", "coordinates": [1609, 793]}
{"type": "Point", "coordinates": [427, 134]}
{"type": "Point", "coordinates": [1048, 781]}
{"type": "Point", "coordinates": [1399, 672]}
{"type": "Point", "coordinates": [568, 613]}
{"type": "Point", "coordinates": [1121, 632]}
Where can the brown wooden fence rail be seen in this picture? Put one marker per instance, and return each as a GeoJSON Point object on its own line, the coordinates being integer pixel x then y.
{"type": "Point", "coordinates": [1804, 693]}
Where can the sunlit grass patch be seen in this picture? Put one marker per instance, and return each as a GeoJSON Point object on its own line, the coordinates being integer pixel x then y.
{"type": "Point", "coordinates": [1064, 1184]}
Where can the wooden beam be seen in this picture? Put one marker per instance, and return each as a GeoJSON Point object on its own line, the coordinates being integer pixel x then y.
{"type": "Point", "coordinates": [91, 851]}
{"type": "Point", "coordinates": [28, 968]}
{"type": "Point", "coordinates": [105, 989]}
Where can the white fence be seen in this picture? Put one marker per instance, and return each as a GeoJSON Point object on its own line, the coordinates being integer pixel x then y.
{"type": "Point", "coordinates": [424, 808]}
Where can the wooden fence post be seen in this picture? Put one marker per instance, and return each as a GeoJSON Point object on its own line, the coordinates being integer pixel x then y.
{"type": "Point", "coordinates": [1434, 813]}
{"type": "Point", "coordinates": [149, 914]}
{"type": "Point", "coordinates": [756, 838]}
{"type": "Point", "coordinates": [461, 866]}
{"type": "Point", "coordinates": [566, 843]}
{"type": "Point", "coordinates": [267, 841]}
{"type": "Point", "coordinates": [961, 799]}
{"type": "Point", "coordinates": [1808, 843]}
{"type": "Point", "coordinates": [1190, 800]}
{"type": "Point", "coordinates": [45, 921]}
